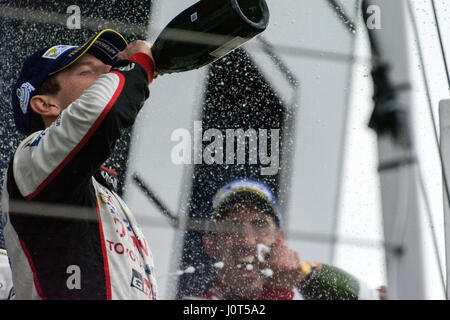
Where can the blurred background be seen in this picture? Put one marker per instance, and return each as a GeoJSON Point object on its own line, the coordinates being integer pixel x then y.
{"type": "Point", "coordinates": [309, 76]}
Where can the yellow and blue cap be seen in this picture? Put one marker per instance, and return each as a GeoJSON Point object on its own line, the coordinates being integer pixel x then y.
{"type": "Point", "coordinates": [249, 191]}
{"type": "Point", "coordinates": [48, 61]}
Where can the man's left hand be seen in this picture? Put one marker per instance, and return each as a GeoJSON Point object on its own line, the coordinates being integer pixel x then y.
{"type": "Point", "coordinates": [286, 267]}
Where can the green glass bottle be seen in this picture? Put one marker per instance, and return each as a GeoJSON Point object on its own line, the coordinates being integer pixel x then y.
{"type": "Point", "coordinates": [325, 282]}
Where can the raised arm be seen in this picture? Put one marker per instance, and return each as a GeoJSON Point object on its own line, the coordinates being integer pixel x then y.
{"type": "Point", "coordinates": [70, 151]}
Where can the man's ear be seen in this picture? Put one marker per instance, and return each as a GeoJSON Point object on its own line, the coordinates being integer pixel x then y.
{"type": "Point", "coordinates": [210, 244]}
{"type": "Point", "coordinates": [43, 105]}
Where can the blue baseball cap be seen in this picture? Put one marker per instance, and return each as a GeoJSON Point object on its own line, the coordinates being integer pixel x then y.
{"type": "Point", "coordinates": [48, 61]}
{"type": "Point", "coordinates": [249, 191]}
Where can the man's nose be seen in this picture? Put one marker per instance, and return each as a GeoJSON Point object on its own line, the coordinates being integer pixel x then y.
{"type": "Point", "coordinates": [107, 68]}
{"type": "Point", "coordinates": [248, 236]}
{"type": "Point", "coordinates": [102, 69]}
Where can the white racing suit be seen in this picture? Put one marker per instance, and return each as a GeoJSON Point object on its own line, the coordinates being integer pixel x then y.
{"type": "Point", "coordinates": [95, 251]}
{"type": "Point", "coordinates": [6, 285]}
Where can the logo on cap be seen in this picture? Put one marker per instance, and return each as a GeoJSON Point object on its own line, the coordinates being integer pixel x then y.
{"type": "Point", "coordinates": [56, 51]}
{"type": "Point", "coordinates": [23, 93]}
{"type": "Point", "coordinates": [107, 48]}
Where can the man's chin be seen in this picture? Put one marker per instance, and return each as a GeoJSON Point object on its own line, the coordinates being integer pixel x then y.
{"type": "Point", "coordinates": [246, 293]}
{"type": "Point", "coordinates": [248, 285]}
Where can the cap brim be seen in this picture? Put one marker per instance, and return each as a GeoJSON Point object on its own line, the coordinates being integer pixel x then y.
{"type": "Point", "coordinates": [104, 46]}
{"type": "Point", "coordinates": [246, 197]}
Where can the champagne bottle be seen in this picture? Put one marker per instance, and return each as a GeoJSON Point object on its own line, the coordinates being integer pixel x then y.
{"type": "Point", "coordinates": [326, 282]}
{"type": "Point", "coordinates": [207, 31]}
